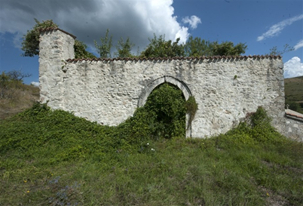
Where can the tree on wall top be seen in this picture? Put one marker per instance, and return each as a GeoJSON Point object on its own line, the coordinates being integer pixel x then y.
{"type": "Point", "coordinates": [124, 48]}
{"type": "Point", "coordinates": [274, 50]}
{"type": "Point", "coordinates": [158, 47]}
{"type": "Point", "coordinates": [104, 49]}
{"type": "Point", "coordinates": [228, 49]}
{"type": "Point", "coordinates": [198, 47]}
{"type": "Point", "coordinates": [80, 50]}
{"type": "Point", "coordinates": [30, 43]}
{"type": "Point", "coordinates": [193, 47]}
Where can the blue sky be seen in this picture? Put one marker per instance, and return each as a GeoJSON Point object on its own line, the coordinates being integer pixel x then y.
{"type": "Point", "coordinates": [261, 24]}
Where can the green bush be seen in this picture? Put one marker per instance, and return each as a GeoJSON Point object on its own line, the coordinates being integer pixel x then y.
{"type": "Point", "coordinates": [191, 109]}
{"type": "Point", "coordinates": [163, 116]}
{"type": "Point", "coordinates": [166, 106]}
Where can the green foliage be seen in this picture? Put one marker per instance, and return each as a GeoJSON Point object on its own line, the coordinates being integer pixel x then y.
{"type": "Point", "coordinates": [138, 128]}
{"type": "Point", "coordinates": [9, 82]}
{"type": "Point", "coordinates": [65, 195]}
{"type": "Point", "coordinates": [60, 137]}
{"type": "Point", "coordinates": [191, 109]}
{"type": "Point", "coordinates": [166, 105]}
{"type": "Point", "coordinates": [295, 106]}
{"type": "Point", "coordinates": [4, 79]}
{"type": "Point", "coordinates": [104, 49]}
{"type": "Point", "coordinates": [158, 47]}
{"type": "Point", "coordinates": [195, 47]}
{"type": "Point", "coordinates": [228, 49]}
{"type": "Point", "coordinates": [294, 94]}
{"type": "Point", "coordinates": [54, 158]}
{"type": "Point", "coordinates": [80, 50]}
{"type": "Point", "coordinates": [124, 48]}
{"type": "Point", "coordinates": [163, 116]}
{"type": "Point", "coordinates": [198, 47]}
{"type": "Point", "coordinates": [260, 118]}
{"type": "Point", "coordinates": [30, 43]}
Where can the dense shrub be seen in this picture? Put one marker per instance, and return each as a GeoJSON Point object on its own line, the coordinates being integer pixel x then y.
{"type": "Point", "coordinates": [163, 116]}
{"type": "Point", "coordinates": [166, 105]}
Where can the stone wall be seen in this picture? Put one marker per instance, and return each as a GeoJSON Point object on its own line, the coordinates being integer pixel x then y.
{"type": "Point", "coordinates": [108, 91]}
{"type": "Point", "coordinates": [294, 125]}
{"type": "Point", "coordinates": [294, 129]}
{"type": "Point", "coordinates": [55, 46]}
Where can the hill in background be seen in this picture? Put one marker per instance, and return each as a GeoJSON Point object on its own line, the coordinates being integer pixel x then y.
{"type": "Point", "coordinates": [15, 96]}
{"type": "Point", "coordinates": [294, 93]}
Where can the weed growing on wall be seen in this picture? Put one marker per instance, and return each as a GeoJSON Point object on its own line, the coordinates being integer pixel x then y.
{"type": "Point", "coordinates": [191, 109]}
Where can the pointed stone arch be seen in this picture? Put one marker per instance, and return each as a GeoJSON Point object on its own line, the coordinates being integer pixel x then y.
{"type": "Point", "coordinates": [169, 79]}
{"type": "Point", "coordinates": [174, 81]}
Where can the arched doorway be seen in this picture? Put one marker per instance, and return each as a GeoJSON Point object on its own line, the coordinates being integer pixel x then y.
{"type": "Point", "coordinates": [172, 81]}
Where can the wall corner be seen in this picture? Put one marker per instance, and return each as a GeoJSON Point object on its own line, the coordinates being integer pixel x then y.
{"type": "Point", "coordinates": [55, 47]}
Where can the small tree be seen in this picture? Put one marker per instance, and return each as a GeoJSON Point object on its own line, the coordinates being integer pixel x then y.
{"type": "Point", "coordinates": [10, 81]}
{"type": "Point", "coordinates": [104, 49]}
{"type": "Point", "coordinates": [4, 79]}
{"type": "Point", "coordinates": [124, 48]}
{"type": "Point", "coordinates": [30, 43]}
{"type": "Point", "coordinates": [80, 50]}
{"type": "Point", "coordinates": [197, 47]}
{"type": "Point", "coordinates": [275, 51]}
{"type": "Point", "coordinates": [158, 47]}
{"type": "Point", "coordinates": [16, 75]}
{"type": "Point", "coordinates": [228, 49]}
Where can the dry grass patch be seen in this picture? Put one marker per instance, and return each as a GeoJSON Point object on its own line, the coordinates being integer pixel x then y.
{"type": "Point", "coordinates": [17, 99]}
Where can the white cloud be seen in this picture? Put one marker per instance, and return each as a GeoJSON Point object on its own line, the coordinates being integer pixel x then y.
{"type": "Point", "coordinates": [36, 84]}
{"type": "Point", "coordinates": [182, 34]}
{"type": "Point", "coordinates": [193, 21]}
{"type": "Point", "coordinates": [293, 68]}
{"type": "Point", "coordinates": [18, 40]}
{"type": "Point", "coordinates": [277, 28]}
{"type": "Point", "coordinates": [88, 20]}
{"type": "Point", "coordinates": [298, 45]}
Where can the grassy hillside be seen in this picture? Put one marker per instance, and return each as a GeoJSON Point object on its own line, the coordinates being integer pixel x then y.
{"type": "Point", "coordinates": [54, 158]}
{"type": "Point", "coordinates": [294, 93]}
{"type": "Point", "coordinates": [15, 96]}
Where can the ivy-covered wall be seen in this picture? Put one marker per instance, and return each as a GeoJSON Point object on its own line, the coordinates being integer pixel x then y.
{"type": "Point", "coordinates": [109, 90]}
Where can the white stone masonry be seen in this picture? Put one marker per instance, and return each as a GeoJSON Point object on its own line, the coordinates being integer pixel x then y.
{"type": "Point", "coordinates": [109, 91]}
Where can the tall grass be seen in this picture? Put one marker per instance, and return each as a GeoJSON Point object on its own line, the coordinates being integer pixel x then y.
{"type": "Point", "coordinates": [54, 158]}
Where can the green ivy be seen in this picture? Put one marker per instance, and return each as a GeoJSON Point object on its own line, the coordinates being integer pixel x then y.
{"type": "Point", "coordinates": [191, 109]}
{"type": "Point", "coordinates": [163, 116]}
{"type": "Point", "coordinates": [167, 104]}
